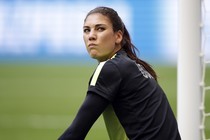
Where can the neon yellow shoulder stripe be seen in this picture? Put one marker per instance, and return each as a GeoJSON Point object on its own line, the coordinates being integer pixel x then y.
{"type": "Point", "coordinates": [96, 74]}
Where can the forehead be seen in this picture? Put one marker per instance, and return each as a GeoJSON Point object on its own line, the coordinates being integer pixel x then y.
{"type": "Point", "coordinates": [97, 18]}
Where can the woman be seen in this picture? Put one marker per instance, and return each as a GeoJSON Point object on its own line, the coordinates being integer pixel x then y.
{"type": "Point", "coordinates": [123, 87]}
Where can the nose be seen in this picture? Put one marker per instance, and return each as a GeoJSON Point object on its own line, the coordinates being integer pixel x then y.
{"type": "Point", "coordinates": [92, 35]}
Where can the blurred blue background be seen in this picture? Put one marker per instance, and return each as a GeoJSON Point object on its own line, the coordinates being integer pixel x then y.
{"type": "Point", "coordinates": [46, 29]}
{"type": "Point", "coordinates": [53, 28]}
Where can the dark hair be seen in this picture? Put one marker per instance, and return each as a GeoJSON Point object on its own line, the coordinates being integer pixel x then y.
{"type": "Point", "coordinates": [118, 24]}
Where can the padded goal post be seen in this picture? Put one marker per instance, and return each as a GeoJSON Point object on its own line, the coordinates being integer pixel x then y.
{"type": "Point", "coordinates": [189, 69]}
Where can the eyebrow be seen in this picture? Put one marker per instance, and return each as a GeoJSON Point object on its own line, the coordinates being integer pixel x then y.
{"type": "Point", "coordinates": [97, 25]}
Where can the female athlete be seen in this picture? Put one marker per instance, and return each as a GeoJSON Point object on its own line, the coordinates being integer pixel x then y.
{"type": "Point", "coordinates": [123, 87]}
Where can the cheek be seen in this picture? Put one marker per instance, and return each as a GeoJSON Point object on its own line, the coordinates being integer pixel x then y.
{"type": "Point", "coordinates": [108, 39]}
{"type": "Point", "coordinates": [110, 42]}
{"type": "Point", "coordinates": [85, 40]}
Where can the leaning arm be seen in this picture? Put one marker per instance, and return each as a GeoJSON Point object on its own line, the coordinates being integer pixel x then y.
{"type": "Point", "coordinates": [91, 109]}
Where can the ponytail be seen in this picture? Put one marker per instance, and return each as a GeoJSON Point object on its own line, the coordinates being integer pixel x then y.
{"type": "Point", "coordinates": [130, 49]}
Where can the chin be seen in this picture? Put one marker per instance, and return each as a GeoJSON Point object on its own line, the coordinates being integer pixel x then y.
{"type": "Point", "coordinates": [98, 59]}
{"type": "Point", "coordinates": [93, 56]}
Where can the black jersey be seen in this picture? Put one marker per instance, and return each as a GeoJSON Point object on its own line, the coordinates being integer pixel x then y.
{"type": "Point", "coordinates": [138, 101]}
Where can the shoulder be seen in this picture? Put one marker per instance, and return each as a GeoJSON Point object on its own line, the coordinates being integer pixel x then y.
{"type": "Point", "coordinates": [105, 70]}
{"type": "Point", "coordinates": [120, 60]}
{"type": "Point", "coordinates": [119, 65]}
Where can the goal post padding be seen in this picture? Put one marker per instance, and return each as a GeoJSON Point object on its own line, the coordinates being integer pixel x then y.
{"type": "Point", "coordinates": [189, 69]}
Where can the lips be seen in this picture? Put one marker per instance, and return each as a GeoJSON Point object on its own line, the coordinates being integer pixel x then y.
{"type": "Point", "coordinates": [92, 45]}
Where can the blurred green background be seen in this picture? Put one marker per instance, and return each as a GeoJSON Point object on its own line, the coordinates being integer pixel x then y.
{"type": "Point", "coordinates": [39, 101]}
{"type": "Point", "coordinates": [38, 98]}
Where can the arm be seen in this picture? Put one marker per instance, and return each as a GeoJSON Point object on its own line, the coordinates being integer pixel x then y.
{"type": "Point", "coordinates": [91, 109]}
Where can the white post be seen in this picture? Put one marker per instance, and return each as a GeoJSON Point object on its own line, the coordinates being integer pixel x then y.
{"type": "Point", "coordinates": [189, 69]}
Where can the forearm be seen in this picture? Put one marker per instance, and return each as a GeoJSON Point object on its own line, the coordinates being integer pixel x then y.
{"type": "Point", "coordinates": [88, 113]}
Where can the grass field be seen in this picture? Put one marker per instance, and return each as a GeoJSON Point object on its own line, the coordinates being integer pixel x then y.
{"type": "Point", "coordinates": [39, 101]}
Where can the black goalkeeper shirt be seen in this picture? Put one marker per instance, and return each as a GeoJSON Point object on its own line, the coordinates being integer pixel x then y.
{"type": "Point", "coordinates": [138, 101]}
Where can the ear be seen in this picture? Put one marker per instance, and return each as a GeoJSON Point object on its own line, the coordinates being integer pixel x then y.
{"type": "Point", "coordinates": [118, 36]}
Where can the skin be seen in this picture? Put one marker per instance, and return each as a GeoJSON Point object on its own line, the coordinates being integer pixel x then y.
{"type": "Point", "coordinates": [100, 40]}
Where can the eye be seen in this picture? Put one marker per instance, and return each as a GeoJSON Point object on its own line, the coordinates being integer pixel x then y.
{"type": "Point", "coordinates": [100, 29]}
{"type": "Point", "coordinates": [86, 30]}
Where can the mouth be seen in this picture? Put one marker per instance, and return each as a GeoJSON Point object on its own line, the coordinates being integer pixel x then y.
{"type": "Point", "coordinates": [92, 45]}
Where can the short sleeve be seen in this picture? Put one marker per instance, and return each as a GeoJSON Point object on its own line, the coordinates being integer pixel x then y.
{"type": "Point", "coordinates": [106, 80]}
